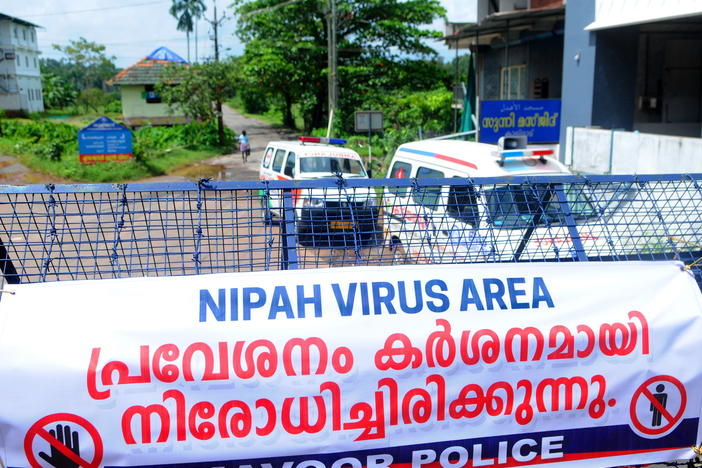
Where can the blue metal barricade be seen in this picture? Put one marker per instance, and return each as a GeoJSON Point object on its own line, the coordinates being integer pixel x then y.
{"type": "Point", "coordinates": [74, 232]}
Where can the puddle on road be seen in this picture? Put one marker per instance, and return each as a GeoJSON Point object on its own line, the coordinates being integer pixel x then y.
{"type": "Point", "coordinates": [199, 171]}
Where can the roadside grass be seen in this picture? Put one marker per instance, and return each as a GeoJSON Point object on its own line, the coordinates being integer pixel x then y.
{"type": "Point", "coordinates": [50, 147]}
{"type": "Point", "coordinates": [69, 167]}
{"type": "Point", "coordinates": [272, 116]}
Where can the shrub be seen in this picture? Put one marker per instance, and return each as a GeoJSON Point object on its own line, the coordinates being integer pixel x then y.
{"type": "Point", "coordinates": [49, 150]}
{"type": "Point", "coordinates": [114, 107]}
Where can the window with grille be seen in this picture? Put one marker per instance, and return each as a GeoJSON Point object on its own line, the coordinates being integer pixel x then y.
{"type": "Point", "coordinates": [513, 82]}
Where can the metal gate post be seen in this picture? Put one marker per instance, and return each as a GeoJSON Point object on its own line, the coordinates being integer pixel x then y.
{"type": "Point", "coordinates": [288, 230]}
{"type": "Point", "coordinates": [534, 222]}
{"type": "Point", "coordinates": [570, 222]}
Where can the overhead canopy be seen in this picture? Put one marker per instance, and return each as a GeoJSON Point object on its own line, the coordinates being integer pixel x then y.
{"type": "Point", "coordinates": [630, 12]}
{"type": "Point", "coordinates": [536, 20]}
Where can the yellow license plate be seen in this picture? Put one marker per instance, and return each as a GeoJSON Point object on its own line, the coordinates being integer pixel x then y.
{"type": "Point", "coordinates": [341, 225]}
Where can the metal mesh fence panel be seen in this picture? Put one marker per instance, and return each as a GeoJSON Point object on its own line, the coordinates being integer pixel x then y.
{"type": "Point", "coordinates": [57, 233]}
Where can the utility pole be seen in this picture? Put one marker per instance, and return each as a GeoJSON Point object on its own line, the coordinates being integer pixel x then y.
{"type": "Point", "coordinates": [332, 90]}
{"type": "Point", "coordinates": [218, 90]}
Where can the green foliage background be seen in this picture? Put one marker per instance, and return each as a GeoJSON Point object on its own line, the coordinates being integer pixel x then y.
{"type": "Point", "coordinates": [52, 147]}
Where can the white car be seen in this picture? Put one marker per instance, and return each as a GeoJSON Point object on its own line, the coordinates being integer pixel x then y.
{"type": "Point", "coordinates": [328, 216]}
{"type": "Point", "coordinates": [463, 223]}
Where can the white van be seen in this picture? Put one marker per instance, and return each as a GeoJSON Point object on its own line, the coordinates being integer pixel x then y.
{"type": "Point", "coordinates": [457, 224]}
{"type": "Point", "coordinates": [325, 217]}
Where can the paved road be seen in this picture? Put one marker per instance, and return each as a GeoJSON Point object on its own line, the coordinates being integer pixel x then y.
{"type": "Point", "coordinates": [259, 133]}
{"type": "Point", "coordinates": [230, 166]}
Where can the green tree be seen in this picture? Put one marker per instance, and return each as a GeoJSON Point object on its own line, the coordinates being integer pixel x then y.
{"type": "Point", "coordinates": [194, 89]}
{"type": "Point", "coordinates": [266, 69]}
{"type": "Point", "coordinates": [186, 11]}
{"type": "Point", "coordinates": [92, 99]}
{"type": "Point", "coordinates": [57, 91]}
{"type": "Point", "coordinates": [372, 36]}
{"type": "Point", "coordinates": [86, 65]}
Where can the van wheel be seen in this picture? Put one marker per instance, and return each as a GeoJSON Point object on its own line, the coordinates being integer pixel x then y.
{"type": "Point", "coordinates": [399, 254]}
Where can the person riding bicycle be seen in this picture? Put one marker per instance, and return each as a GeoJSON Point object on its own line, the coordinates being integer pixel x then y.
{"type": "Point", "coordinates": [244, 146]}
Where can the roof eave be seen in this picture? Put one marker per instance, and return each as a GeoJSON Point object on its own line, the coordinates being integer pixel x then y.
{"type": "Point", "coordinates": [14, 19]}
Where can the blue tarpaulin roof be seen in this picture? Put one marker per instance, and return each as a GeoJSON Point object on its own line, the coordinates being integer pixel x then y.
{"type": "Point", "coordinates": [164, 53]}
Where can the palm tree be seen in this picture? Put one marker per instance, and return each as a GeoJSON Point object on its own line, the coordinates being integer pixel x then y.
{"type": "Point", "coordinates": [185, 11]}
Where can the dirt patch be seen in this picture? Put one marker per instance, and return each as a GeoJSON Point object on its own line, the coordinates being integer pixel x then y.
{"type": "Point", "coordinates": [6, 163]}
{"type": "Point", "coordinates": [199, 171]}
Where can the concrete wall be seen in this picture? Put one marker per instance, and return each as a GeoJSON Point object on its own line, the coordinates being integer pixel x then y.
{"type": "Point", "coordinates": [595, 151]}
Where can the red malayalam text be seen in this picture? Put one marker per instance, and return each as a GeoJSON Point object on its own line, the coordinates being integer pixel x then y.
{"type": "Point", "coordinates": [526, 344]}
{"type": "Point", "coordinates": [261, 358]}
{"type": "Point", "coordinates": [390, 406]}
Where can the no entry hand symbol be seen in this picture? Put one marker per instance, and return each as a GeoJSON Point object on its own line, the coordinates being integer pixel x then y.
{"type": "Point", "coordinates": [64, 443]}
{"type": "Point", "coordinates": [658, 405]}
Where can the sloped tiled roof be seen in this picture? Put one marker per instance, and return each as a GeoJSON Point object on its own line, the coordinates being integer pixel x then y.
{"type": "Point", "coordinates": [148, 70]}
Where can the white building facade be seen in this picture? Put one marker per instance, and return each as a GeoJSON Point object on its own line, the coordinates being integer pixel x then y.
{"type": "Point", "coordinates": [20, 77]}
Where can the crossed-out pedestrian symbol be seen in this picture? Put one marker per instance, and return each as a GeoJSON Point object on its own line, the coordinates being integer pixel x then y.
{"type": "Point", "coordinates": [657, 405]}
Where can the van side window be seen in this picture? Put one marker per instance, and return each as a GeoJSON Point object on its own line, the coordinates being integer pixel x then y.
{"type": "Point", "coordinates": [428, 196]}
{"type": "Point", "coordinates": [462, 204]}
{"type": "Point", "coordinates": [267, 157]}
{"type": "Point", "coordinates": [278, 161]}
{"type": "Point", "coordinates": [400, 170]}
{"type": "Point", "coordinates": [290, 164]}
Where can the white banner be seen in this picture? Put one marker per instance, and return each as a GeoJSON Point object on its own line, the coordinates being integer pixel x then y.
{"type": "Point", "coordinates": [582, 364]}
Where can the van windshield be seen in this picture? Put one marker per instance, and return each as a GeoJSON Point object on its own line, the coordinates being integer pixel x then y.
{"type": "Point", "coordinates": [331, 165]}
{"type": "Point", "coordinates": [518, 207]}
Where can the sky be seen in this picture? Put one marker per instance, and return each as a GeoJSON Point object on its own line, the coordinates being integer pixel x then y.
{"type": "Point", "coordinates": [131, 29]}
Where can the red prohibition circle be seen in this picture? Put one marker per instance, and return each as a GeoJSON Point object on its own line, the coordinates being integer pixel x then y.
{"type": "Point", "coordinates": [643, 391]}
{"type": "Point", "coordinates": [37, 430]}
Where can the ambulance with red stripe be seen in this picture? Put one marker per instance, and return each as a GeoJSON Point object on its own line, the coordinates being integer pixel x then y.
{"type": "Point", "coordinates": [466, 223]}
{"type": "Point", "coordinates": [328, 216]}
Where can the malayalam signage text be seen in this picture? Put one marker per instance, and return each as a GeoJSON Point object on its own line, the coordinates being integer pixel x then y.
{"type": "Point", "coordinates": [538, 119]}
{"type": "Point", "coordinates": [448, 365]}
{"type": "Point", "coordinates": [104, 140]}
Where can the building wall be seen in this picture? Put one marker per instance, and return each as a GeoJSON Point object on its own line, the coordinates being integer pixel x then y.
{"type": "Point", "coordinates": [545, 61]}
{"type": "Point", "coordinates": [20, 79]}
{"type": "Point", "coordinates": [135, 109]}
{"type": "Point", "coordinates": [578, 66]}
{"type": "Point", "coordinates": [615, 78]}
{"type": "Point", "coordinates": [669, 80]}
{"type": "Point", "coordinates": [543, 58]}
{"type": "Point", "coordinates": [492, 61]}
{"type": "Point", "coordinates": [545, 3]}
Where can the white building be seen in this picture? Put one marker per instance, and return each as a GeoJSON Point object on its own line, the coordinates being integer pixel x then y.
{"type": "Point", "coordinates": [20, 78]}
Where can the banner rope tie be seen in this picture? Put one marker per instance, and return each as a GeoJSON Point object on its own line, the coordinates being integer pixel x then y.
{"type": "Point", "coordinates": [7, 291]}
{"type": "Point", "coordinates": [691, 265]}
